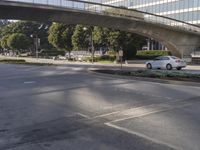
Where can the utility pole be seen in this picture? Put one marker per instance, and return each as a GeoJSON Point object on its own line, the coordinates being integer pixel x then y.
{"type": "Point", "coordinates": [36, 44]}
{"type": "Point", "coordinates": [92, 45]}
{"type": "Point", "coordinates": [91, 41]}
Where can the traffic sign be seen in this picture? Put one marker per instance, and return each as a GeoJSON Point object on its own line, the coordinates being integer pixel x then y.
{"type": "Point", "coordinates": [121, 53]}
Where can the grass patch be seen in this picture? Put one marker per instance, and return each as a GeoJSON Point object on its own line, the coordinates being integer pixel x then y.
{"type": "Point", "coordinates": [105, 61]}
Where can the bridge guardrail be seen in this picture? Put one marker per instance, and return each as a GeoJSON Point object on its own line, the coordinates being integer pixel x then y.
{"type": "Point", "coordinates": [115, 11]}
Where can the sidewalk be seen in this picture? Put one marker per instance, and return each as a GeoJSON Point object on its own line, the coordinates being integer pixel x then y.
{"type": "Point", "coordinates": [137, 64]}
{"type": "Point", "coordinates": [57, 62]}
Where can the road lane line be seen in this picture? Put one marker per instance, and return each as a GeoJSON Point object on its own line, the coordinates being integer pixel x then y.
{"type": "Point", "coordinates": [140, 135]}
{"type": "Point", "coordinates": [135, 108]}
{"type": "Point", "coordinates": [151, 112]}
{"type": "Point", "coordinates": [121, 111]}
{"type": "Point", "coordinates": [29, 82]}
{"type": "Point", "coordinates": [83, 115]}
{"type": "Point", "coordinates": [137, 116]}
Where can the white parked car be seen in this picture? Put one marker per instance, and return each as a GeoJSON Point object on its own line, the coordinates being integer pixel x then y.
{"type": "Point", "coordinates": [166, 62]}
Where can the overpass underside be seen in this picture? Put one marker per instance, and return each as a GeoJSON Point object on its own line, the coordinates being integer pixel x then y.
{"type": "Point", "coordinates": [181, 42]}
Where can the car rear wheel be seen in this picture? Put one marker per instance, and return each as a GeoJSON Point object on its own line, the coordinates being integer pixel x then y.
{"type": "Point", "coordinates": [149, 66]}
{"type": "Point", "coordinates": [169, 67]}
{"type": "Point", "coordinates": [179, 68]}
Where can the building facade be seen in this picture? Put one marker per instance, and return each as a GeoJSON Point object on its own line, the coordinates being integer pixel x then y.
{"type": "Point", "coordinates": [183, 10]}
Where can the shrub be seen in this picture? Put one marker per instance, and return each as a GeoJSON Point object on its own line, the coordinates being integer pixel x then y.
{"type": "Point", "coordinates": [12, 61]}
{"type": "Point", "coordinates": [151, 54]}
{"type": "Point", "coordinates": [129, 53]}
{"type": "Point", "coordinates": [51, 53]}
{"type": "Point", "coordinates": [107, 57]}
{"type": "Point", "coordinates": [111, 53]}
{"type": "Point", "coordinates": [100, 58]}
{"type": "Point", "coordinates": [163, 74]}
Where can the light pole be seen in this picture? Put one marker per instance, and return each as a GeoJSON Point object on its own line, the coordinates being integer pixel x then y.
{"type": "Point", "coordinates": [36, 40]}
{"type": "Point", "coordinates": [121, 53]}
{"type": "Point", "coordinates": [36, 43]}
{"type": "Point", "coordinates": [91, 41]}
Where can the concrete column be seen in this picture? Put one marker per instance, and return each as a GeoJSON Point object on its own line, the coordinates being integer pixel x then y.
{"type": "Point", "coordinates": [148, 44]}
{"type": "Point", "coordinates": [163, 47]}
{"type": "Point", "coordinates": [152, 45]}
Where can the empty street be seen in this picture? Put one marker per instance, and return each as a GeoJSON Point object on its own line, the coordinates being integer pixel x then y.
{"type": "Point", "coordinates": [69, 107]}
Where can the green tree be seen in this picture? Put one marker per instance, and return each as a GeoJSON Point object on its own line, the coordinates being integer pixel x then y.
{"type": "Point", "coordinates": [18, 42]}
{"type": "Point", "coordinates": [132, 43]}
{"type": "Point", "coordinates": [100, 36]}
{"type": "Point", "coordinates": [28, 28]}
{"type": "Point", "coordinates": [1, 46]}
{"type": "Point", "coordinates": [115, 40]}
{"type": "Point", "coordinates": [60, 36]}
{"type": "Point", "coordinates": [80, 38]}
{"type": "Point", "coordinates": [4, 42]}
{"type": "Point", "coordinates": [4, 22]}
{"type": "Point", "coordinates": [128, 42]}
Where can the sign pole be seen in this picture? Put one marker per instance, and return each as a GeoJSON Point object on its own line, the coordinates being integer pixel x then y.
{"type": "Point", "coordinates": [121, 57]}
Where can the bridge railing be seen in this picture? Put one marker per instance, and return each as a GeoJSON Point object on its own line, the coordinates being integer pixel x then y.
{"type": "Point", "coordinates": [115, 11]}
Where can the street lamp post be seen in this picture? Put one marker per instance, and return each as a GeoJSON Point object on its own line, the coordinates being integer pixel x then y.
{"type": "Point", "coordinates": [91, 41]}
{"type": "Point", "coordinates": [121, 53]}
{"type": "Point", "coordinates": [92, 45]}
{"type": "Point", "coordinates": [36, 40]}
{"type": "Point", "coordinates": [36, 43]}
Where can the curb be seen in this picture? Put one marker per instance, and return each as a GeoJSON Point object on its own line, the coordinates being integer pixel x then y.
{"type": "Point", "coordinates": [163, 81]}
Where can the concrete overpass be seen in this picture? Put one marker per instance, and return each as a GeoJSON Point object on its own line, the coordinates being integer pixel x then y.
{"type": "Point", "coordinates": [179, 37]}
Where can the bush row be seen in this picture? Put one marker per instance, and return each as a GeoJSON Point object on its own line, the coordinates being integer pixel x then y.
{"type": "Point", "coordinates": [150, 54]}
{"type": "Point", "coordinates": [12, 61]}
{"type": "Point", "coordinates": [101, 58]}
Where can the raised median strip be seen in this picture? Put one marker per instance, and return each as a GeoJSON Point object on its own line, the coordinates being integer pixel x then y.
{"type": "Point", "coordinates": [159, 76]}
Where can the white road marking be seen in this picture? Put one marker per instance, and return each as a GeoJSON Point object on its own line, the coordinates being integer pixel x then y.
{"type": "Point", "coordinates": [29, 82]}
{"type": "Point", "coordinates": [120, 111]}
{"type": "Point", "coordinates": [153, 111]}
{"type": "Point", "coordinates": [71, 115]}
{"type": "Point", "coordinates": [137, 116]}
{"type": "Point", "coordinates": [83, 115]}
{"type": "Point", "coordinates": [116, 105]}
{"type": "Point", "coordinates": [108, 114]}
{"type": "Point", "coordinates": [134, 109]}
{"type": "Point", "coordinates": [140, 135]}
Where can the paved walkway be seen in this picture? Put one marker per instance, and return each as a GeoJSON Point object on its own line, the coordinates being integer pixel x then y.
{"type": "Point", "coordinates": [137, 64]}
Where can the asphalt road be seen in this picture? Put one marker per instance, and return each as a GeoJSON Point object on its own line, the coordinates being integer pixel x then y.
{"type": "Point", "coordinates": [68, 108]}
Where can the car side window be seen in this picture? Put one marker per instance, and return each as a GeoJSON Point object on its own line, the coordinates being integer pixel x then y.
{"type": "Point", "coordinates": [157, 58]}
{"type": "Point", "coordinates": [165, 58]}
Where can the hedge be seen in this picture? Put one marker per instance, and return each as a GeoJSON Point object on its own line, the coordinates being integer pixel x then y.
{"type": "Point", "coordinates": [51, 53]}
{"type": "Point", "coordinates": [12, 61]}
{"type": "Point", "coordinates": [100, 58]}
{"type": "Point", "coordinates": [150, 54]}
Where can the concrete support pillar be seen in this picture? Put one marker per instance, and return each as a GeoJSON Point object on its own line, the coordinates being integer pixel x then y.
{"type": "Point", "coordinates": [163, 47]}
{"type": "Point", "coordinates": [152, 45]}
{"type": "Point", "coordinates": [148, 44]}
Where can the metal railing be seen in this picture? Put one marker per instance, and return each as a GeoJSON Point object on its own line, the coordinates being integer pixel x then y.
{"type": "Point", "coordinates": [114, 11]}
